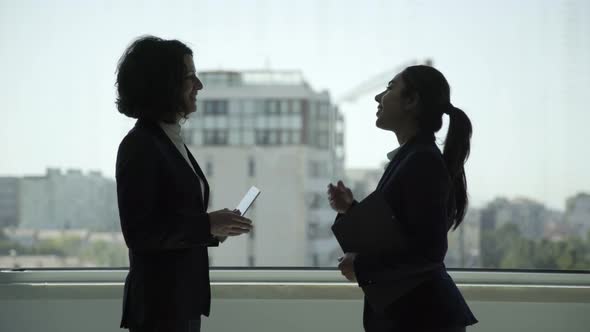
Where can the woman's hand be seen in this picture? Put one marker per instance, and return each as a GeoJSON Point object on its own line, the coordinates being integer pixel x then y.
{"type": "Point", "coordinates": [228, 223]}
{"type": "Point", "coordinates": [222, 239]}
{"type": "Point", "coordinates": [340, 197]}
{"type": "Point", "coordinates": [346, 266]}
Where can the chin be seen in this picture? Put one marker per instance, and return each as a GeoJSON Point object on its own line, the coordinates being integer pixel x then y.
{"type": "Point", "coordinates": [191, 109]}
{"type": "Point", "coordinates": [379, 123]}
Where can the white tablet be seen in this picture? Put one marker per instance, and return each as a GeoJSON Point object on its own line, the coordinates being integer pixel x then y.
{"type": "Point", "coordinates": [248, 199]}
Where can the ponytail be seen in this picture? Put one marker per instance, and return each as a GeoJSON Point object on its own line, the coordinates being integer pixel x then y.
{"type": "Point", "coordinates": [435, 94]}
{"type": "Point", "coordinates": [455, 154]}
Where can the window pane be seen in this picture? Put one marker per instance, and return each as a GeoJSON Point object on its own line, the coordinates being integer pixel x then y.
{"type": "Point", "coordinates": [234, 122]}
{"type": "Point", "coordinates": [197, 137]}
{"type": "Point", "coordinates": [221, 122]}
{"type": "Point", "coordinates": [521, 78]}
{"type": "Point", "coordinates": [262, 122]}
{"type": "Point", "coordinates": [273, 122]}
{"type": "Point", "coordinates": [285, 137]}
{"type": "Point", "coordinates": [234, 137]}
{"type": "Point", "coordinates": [249, 137]}
{"type": "Point", "coordinates": [296, 137]}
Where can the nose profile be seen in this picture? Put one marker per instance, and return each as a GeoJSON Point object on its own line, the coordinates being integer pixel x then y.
{"type": "Point", "coordinates": [378, 97]}
{"type": "Point", "coordinates": [198, 84]}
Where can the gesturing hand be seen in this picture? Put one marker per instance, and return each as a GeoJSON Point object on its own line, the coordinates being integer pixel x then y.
{"type": "Point", "coordinates": [228, 223]}
{"type": "Point", "coordinates": [340, 197]}
{"type": "Point", "coordinates": [346, 266]}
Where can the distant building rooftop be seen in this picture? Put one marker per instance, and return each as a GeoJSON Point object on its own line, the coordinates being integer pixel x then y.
{"type": "Point", "coordinates": [252, 77]}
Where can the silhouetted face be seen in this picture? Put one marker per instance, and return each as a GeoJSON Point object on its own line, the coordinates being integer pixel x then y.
{"type": "Point", "coordinates": [190, 86]}
{"type": "Point", "coordinates": [392, 110]}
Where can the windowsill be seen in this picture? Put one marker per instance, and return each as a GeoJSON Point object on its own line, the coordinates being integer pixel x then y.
{"type": "Point", "coordinates": [514, 286]}
{"type": "Point", "coordinates": [298, 275]}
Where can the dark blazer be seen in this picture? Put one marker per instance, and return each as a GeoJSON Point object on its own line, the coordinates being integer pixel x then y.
{"type": "Point", "coordinates": [416, 184]}
{"type": "Point", "coordinates": [166, 227]}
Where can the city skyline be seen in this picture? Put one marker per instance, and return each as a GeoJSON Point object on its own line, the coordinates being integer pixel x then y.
{"type": "Point", "coordinates": [500, 228]}
{"type": "Point", "coordinates": [517, 69]}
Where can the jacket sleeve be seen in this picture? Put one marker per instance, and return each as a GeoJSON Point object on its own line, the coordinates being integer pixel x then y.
{"type": "Point", "coordinates": [145, 227]}
{"type": "Point", "coordinates": [424, 189]}
{"type": "Point", "coordinates": [354, 202]}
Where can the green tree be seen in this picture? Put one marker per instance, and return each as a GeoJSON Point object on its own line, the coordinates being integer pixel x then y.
{"type": "Point", "coordinates": [496, 243]}
{"type": "Point", "coordinates": [506, 248]}
{"type": "Point", "coordinates": [103, 253]}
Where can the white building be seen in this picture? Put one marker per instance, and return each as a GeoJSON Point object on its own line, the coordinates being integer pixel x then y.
{"type": "Point", "coordinates": [9, 204]}
{"type": "Point", "coordinates": [577, 214]}
{"type": "Point", "coordinates": [531, 217]}
{"type": "Point", "coordinates": [464, 242]}
{"type": "Point", "coordinates": [271, 130]}
{"type": "Point", "coordinates": [68, 200]}
{"type": "Point", "coordinates": [363, 181]}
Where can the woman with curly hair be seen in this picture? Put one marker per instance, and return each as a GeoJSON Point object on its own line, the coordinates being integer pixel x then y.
{"type": "Point", "coordinates": [162, 192]}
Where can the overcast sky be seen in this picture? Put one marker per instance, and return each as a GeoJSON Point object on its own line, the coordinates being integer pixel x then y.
{"type": "Point", "coordinates": [518, 68]}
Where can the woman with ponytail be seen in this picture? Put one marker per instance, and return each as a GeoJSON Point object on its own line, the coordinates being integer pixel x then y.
{"type": "Point", "coordinates": [427, 192]}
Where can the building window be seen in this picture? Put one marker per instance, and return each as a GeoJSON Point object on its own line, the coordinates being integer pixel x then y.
{"type": "Point", "coordinates": [187, 136]}
{"type": "Point", "coordinates": [294, 122]}
{"type": "Point", "coordinates": [296, 137]}
{"type": "Point", "coordinates": [215, 137]}
{"type": "Point", "coordinates": [251, 167]}
{"type": "Point", "coordinates": [315, 200]}
{"type": "Point", "coordinates": [247, 122]}
{"type": "Point", "coordinates": [314, 169]}
{"type": "Point", "coordinates": [274, 122]}
{"type": "Point", "coordinates": [274, 137]}
{"type": "Point", "coordinates": [249, 137]}
{"type": "Point", "coordinates": [235, 121]}
{"type": "Point", "coordinates": [296, 106]}
{"type": "Point", "coordinates": [312, 230]}
{"type": "Point", "coordinates": [323, 140]}
{"type": "Point", "coordinates": [209, 169]}
{"type": "Point", "coordinates": [235, 137]}
{"type": "Point", "coordinates": [284, 107]}
{"type": "Point", "coordinates": [286, 137]}
{"type": "Point", "coordinates": [215, 107]}
{"type": "Point", "coordinates": [251, 234]}
{"type": "Point", "coordinates": [272, 107]}
{"type": "Point", "coordinates": [263, 137]}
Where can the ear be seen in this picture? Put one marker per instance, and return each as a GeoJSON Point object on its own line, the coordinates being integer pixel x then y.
{"type": "Point", "coordinates": [412, 101]}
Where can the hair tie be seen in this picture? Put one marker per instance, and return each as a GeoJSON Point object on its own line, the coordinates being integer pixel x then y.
{"type": "Point", "coordinates": [449, 108]}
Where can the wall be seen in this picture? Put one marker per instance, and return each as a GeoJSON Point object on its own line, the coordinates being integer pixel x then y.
{"type": "Point", "coordinates": [255, 300]}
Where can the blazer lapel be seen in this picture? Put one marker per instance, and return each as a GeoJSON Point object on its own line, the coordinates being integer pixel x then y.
{"type": "Point", "coordinates": [201, 175]}
{"type": "Point", "coordinates": [157, 130]}
{"type": "Point", "coordinates": [390, 170]}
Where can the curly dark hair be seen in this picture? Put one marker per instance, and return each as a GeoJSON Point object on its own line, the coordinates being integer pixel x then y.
{"type": "Point", "coordinates": [149, 78]}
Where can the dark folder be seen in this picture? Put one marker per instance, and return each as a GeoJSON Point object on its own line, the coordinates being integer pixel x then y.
{"type": "Point", "coordinates": [369, 227]}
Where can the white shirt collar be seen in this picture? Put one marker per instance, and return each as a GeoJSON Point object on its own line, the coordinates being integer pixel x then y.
{"type": "Point", "coordinates": [392, 154]}
{"type": "Point", "coordinates": [172, 130]}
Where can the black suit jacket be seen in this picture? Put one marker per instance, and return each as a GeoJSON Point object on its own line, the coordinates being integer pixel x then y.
{"type": "Point", "coordinates": [166, 227]}
{"type": "Point", "coordinates": [416, 185]}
